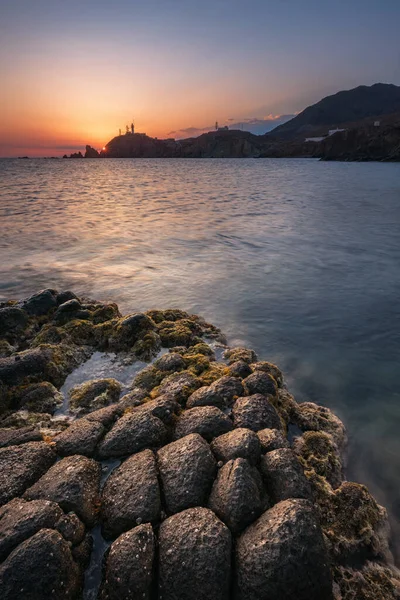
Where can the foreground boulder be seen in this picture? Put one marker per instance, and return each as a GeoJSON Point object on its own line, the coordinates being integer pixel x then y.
{"type": "Point", "coordinates": [129, 567]}
{"type": "Point", "coordinates": [239, 443]}
{"type": "Point", "coordinates": [195, 557]}
{"type": "Point", "coordinates": [208, 421]}
{"type": "Point", "coordinates": [74, 484]}
{"type": "Point", "coordinates": [237, 495]}
{"type": "Point", "coordinates": [187, 470]}
{"type": "Point", "coordinates": [19, 520]}
{"type": "Point", "coordinates": [21, 466]}
{"type": "Point", "coordinates": [81, 437]}
{"type": "Point", "coordinates": [41, 567]}
{"type": "Point", "coordinates": [282, 556]}
{"type": "Point", "coordinates": [283, 475]}
{"type": "Point", "coordinates": [131, 433]}
{"type": "Point", "coordinates": [131, 495]}
{"type": "Point", "coordinates": [255, 412]}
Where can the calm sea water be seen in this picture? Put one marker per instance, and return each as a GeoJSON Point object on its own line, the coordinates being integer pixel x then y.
{"type": "Point", "coordinates": [298, 259]}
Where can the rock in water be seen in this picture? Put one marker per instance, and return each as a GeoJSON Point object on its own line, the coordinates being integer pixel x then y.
{"type": "Point", "coordinates": [282, 556]}
{"type": "Point", "coordinates": [195, 557]}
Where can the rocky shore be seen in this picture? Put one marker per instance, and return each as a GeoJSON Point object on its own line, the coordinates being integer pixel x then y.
{"type": "Point", "coordinates": [202, 478]}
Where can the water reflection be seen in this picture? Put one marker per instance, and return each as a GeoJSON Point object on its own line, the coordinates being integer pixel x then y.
{"type": "Point", "coordinates": [295, 258]}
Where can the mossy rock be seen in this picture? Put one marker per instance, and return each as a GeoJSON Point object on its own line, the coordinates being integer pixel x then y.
{"type": "Point", "coordinates": [94, 394]}
{"type": "Point", "coordinates": [232, 355]}
{"type": "Point", "coordinates": [285, 404]}
{"type": "Point", "coordinates": [105, 312]}
{"type": "Point", "coordinates": [355, 526]}
{"type": "Point", "coordinates": [212, 373]}
{"type": "Point", "coordinates": [318, 452]}
{"type": "Point", "coordinates": [197, 363]}
{"type": "Point", "coordinates": [147, 347]}
{"type": "Point", "coordinates": [200, 348]}
{"type": "Point", "coordinates": [177, 333]}
{"type": "Point", "coordinates": [371, 582]}
{"type": "Point", "coordinates": [313, 417]}
{"type": "Point", "coordinates": [271, 369]}
{"type": "Point", "coordinates": [6, 349]}
{"type": "Point", "coordinates": [171, 314]}
{"type": "Point", "coordinates": [149, 378]}
{"type": "Point", "coordinates": [40, 397]}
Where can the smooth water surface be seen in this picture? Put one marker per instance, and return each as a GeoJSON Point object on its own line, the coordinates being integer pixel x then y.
{"type": "Point", "coordinates": [296, 258]}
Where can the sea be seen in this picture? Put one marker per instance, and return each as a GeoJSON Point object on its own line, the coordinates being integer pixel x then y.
{"type": "Point", "coordinates": [295, 258]}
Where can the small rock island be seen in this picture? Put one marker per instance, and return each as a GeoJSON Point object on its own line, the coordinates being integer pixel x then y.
{"type": "Point", "coordinates": [201, 478]}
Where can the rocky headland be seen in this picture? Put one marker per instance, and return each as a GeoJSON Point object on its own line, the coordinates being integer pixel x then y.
{"type": "Point", "coordinates": [201, 477]}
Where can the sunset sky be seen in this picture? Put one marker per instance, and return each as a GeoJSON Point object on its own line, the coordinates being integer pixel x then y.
{"type": "Point", "coordinates": [74, 72]}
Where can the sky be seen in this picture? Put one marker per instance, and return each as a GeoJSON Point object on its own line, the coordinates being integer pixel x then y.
{"type": "Point", "coordinates": [73, 72]}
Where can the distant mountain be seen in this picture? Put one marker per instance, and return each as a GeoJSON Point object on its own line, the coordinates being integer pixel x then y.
{"type": "Point", "coordinates": [341, 108]}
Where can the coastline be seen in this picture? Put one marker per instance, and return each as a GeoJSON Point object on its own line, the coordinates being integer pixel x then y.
{"type": "Point", "coordinates": [261, 457]}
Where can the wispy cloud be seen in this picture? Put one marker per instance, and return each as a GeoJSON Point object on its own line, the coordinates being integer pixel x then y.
{"type": "Point", "coordinates": [256, 125]}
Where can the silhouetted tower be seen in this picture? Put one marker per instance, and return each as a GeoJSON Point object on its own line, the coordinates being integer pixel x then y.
{"type": "Point", "coordinates": [216, 125]}
{"type": "Point", "coordinates": [132, 128]}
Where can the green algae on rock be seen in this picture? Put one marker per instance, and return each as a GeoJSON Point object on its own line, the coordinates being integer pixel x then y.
{"type": "Point", "coordinates": [212, 462]}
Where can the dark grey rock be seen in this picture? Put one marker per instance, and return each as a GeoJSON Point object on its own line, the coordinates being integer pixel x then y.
{"type": "Point", "coordinates": [235, 496]}
{"type": "Point", "coordinates": [220, 393]}
{"type": "Point", "coordinates": [74, 484]}
{"type": "Point", "coordinates": [130, 329]}
{"type": "Point", "coordinates": [283, 475]}
{"type": "Point", "coordinates": [129, 566]}
{"type": "Point", "coordinates": [195, 557]}
{"type": "Point", "coordinates": [65, 296]}
{"type": "Point", "coordinates": [240, 368]}
{"type": "Point", "coordinates": [131, 433]}
{"type": "Point", "coordinates": [41, 567]}
{"type": "Point", "coordinates": [239, 443]}
{"type": "Point", "coordinates": [15, 437]}
{"type": "Point", "coordinates": [269, 368]}
{"type": "Point", "coordinates": [81, 437]}
{"type": "Point", "coordinates": [272, 439]}
{"type": "Point", "coordinates": [260, 382]}
{"type": "Point", "coordinates": [15, 370]}
{"type": "Point", "coordinates": [12, 319]}
{"type": "Point", "coordinates": [21, 466]}
{"type": "Point", "coordinates": [70, 526]}
{"type": "Point", "coordinates": [107, 415]}
{"type": "Point", "coordinates": [208, 421]}
{"type": "Point", "coordinates": [187, 469]}
{"type": "Point", "coordinates": [170, 362]}
{"type": "Point", "coordinates": [164, 408]}
{"type": "Point", "coordinates": [40, 397]}
{"type": "Point", "coordinates": [282, 556]}
{"type": "Point", "coordinates": [71, 309]}
{"type": "Point", "coordinates": [19, 520]}
{"type": "Point", "coordinates": [131, 495]}
{"type": "Point", "coordinates": [255, 412]}
{"type": "Point", "coordinates": [82, 552]}
{"type": "Point", "coordinates": [40, 303]}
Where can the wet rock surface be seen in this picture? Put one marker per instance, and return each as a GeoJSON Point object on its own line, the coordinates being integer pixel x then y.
{"type": "Point", "coordinates": [193, 467]}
